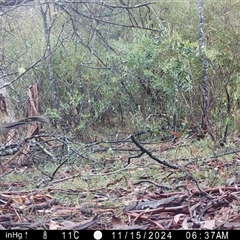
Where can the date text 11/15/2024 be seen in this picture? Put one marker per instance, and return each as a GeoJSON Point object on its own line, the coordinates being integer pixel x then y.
{"type": "Point", "coordinates": [172, 235]}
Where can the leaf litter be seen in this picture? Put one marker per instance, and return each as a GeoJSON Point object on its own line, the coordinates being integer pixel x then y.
{"type": "Point", "coordinates": [136, 185]}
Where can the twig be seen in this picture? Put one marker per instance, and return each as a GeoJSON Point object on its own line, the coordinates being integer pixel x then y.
{"type": "Point", "coordinates": [144, 150]}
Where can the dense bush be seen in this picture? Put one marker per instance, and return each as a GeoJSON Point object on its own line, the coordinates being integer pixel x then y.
{"type": "Point", "coordinates": [140, 77]}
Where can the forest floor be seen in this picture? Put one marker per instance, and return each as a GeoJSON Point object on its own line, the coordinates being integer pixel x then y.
{"type": "Point", "coordinates": [123, 184]}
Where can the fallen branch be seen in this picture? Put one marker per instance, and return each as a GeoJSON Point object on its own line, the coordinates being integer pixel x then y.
{"type": "Point", "coordinates": [144, 150]}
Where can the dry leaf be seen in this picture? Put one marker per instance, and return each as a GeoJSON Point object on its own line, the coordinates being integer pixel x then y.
{"type": "Point", "coordinates": [116, 222]}
{"type": "Point", "coordinates": [53, 225]}
{"type": "Point", "coordinates": [209, 224]}
{"type": "Point", "coordinates": [177, 217]}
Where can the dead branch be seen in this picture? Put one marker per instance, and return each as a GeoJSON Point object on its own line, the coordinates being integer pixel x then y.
{"type": "Point", "coordinates": [144, 150]}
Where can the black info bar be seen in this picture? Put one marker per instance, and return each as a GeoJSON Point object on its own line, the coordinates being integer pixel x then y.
{"type": "Point", "coordinates": [119, 234]}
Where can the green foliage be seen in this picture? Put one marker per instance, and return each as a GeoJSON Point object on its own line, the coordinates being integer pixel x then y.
{"type": "Point", "coordinates": [136, 76]}
{"type": "Point", "coordinates": [52, 113]}
{"type": "Point", "coordinates": [150, 64]}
